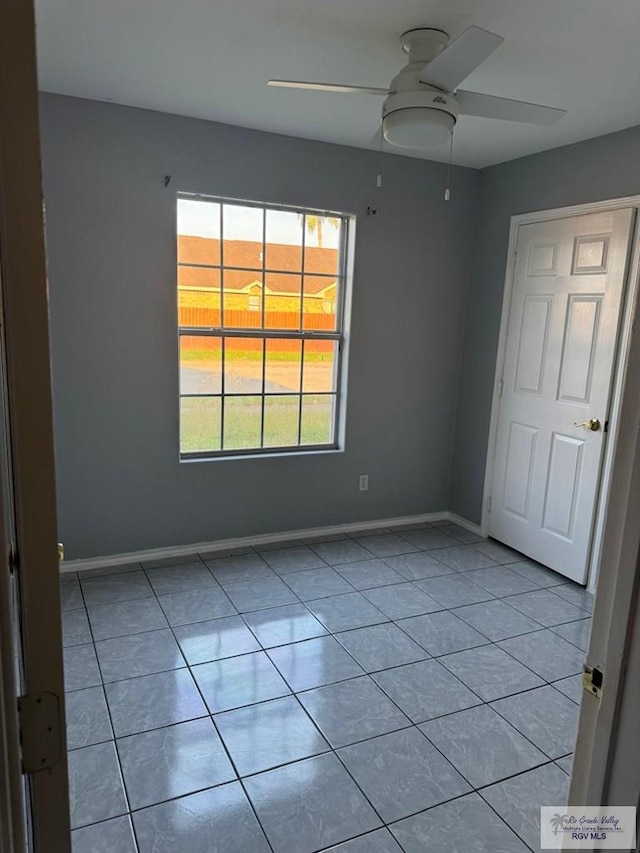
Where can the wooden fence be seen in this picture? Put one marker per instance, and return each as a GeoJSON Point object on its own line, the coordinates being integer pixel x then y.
{"type": "Point", "coordinates": [243, 319]}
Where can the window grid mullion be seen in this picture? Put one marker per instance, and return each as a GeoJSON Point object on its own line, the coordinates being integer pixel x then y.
{"type": "Point", "coordinates": [221, 266]}
{"type": "Point", "coordinates": [223, 354]}
{"type": "Point", "coordinates": [263, 296]}
{"type": "Point", "coordinates": [302, 262]}
{"type": "Point", "coordinates": [263, 395]}
{"type": "Point", "coordinates": [216, 332]}
{"type": "Point", "coordinates": [221, 309]}
{"type": "Point", "coordinates": [328, 275]}
{"type": "Point", "coordinates": [272, 394]}
{"type": "Point", "coordinates": [263, 253]}
{"type": "Point", "coordinates": [301, 383]}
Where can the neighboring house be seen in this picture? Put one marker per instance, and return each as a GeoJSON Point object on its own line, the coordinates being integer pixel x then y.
{"type": "Point", "coordinates": [199, 276]}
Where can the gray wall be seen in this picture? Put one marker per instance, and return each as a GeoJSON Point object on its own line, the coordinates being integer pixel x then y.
{"type": "Point", "coordinates": [602, 168]}
{"type": "Point", "coordinates": [110, 227]}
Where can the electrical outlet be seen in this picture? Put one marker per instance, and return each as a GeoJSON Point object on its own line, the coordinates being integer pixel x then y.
{"type": "Point", "coordinates": [364, 483]}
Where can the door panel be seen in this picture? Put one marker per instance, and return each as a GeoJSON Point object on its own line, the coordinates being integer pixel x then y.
{"type": "Point", "coordinates": [565, 307]}
{"type": "Point", "coordinates": [563, 483]}
{"type": "Point", "coordinates": [579, 347]}
{"type": "Point", "coordinates": [533, 344]}
{"type": "Point", "coordinates": [520, 456]}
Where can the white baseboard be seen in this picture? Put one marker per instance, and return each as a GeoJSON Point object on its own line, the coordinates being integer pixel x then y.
{"type": "Point", "coordinates": [93, 563]}
{"type": "Point", "coordinates": [468, 525]}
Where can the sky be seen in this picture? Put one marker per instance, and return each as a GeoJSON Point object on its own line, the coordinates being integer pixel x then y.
{"type": "Point", "coordinates": [202, 219]}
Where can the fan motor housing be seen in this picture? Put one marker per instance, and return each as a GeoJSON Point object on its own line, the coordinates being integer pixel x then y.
{"type": "Point", "coordinates": [429, 99]}
{"type": "Point", "coordinates": [414, 118]}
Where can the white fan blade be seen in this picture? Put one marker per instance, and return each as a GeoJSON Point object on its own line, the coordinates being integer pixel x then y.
{"type": "Point", "coordinates": [327, 87]}
{"type": "Point", "coordinates": [489, 106]}
{"type": "Point", "coordinates": [460, 58]}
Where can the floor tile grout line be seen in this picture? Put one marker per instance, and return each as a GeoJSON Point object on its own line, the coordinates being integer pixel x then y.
{"type": "Point", "coordinates": [587, 617]}
{"type": "Point", "coordinates": [473, 790]}
{"type": "Point", "coordinates": [322, 596]}
{"type": "Point", "coordinates": [224, 746]}
{"type": "Point", "coordinates": [528, 667]}
{"type": "Point", "coordinates": [439, 716]}
{"type": "Point", "coordinates": [265, 649]}
{"type": "Point", "coordinates": [553, 684]}
{"type": "Point", "coordinates": [358, 786]}
{"type": "Point", "coordinates": [230, 758]}
{"type": "Point", "coordinates": [514, 726]}
{"type": "Point", "coordinates": [434, 613]}
{"type": "Point", "coordinates": [357, 838]}
{"type": "Point", "coordinates": [255, 814]}
{"type": "Point", "coordinates": [213, 585]}
{"type": "Point", "coordinates": [115, 738]}
{"type": "Point", "coordinates": [501, 597]}
{"type": "Point", "coordinates": [329, 749]}
{"type": "Point", "coordinates": [115, 746]}
{"type": "Point", "coordinates": [500, 639]}
{"type": "Point", "coordinates": [584, 651]}
{"type": "Point", "coordinates": [497, 813]}
{"type": "Point", "coordinates": [559, 597]}
{"type": "Point", "coordinates": [506, 779]}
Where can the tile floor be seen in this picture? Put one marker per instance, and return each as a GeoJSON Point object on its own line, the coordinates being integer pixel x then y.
{"type": "Point", "coordinates": [401, 691]}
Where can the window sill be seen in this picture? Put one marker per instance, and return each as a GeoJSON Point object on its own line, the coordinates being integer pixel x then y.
{"type": "Point", "coordinates": [232, 455]}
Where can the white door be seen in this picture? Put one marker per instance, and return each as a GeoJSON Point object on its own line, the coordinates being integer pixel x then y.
{"type": "Point", "coordinates": [566, 301]}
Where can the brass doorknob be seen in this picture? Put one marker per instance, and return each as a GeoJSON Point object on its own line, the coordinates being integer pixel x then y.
{"type": "Point", "coordinates": [593, 424]}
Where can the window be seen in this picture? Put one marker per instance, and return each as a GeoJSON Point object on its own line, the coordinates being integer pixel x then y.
{"type": "Point", "coordinates": [261, 293]}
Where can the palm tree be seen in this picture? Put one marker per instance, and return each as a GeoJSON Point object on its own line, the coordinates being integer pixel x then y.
{"type": "Point", "coordinates": [315, 225]}
{"type": "Point", "coordinates": [557, 821]}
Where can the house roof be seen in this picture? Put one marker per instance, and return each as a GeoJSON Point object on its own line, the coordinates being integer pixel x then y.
{"type": "Point", "coordinates": [321, 265]}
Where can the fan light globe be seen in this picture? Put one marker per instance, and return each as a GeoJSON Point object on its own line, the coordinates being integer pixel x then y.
{"type": "Point", "coordinates": [417, 127]}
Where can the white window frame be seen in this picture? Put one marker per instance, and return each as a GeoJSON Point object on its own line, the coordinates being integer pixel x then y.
{"type": "Point", "coordinates": [343, 280]}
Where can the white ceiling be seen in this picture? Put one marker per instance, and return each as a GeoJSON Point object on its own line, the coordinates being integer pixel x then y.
{"type": "Point", "coordinates": [211, 59]}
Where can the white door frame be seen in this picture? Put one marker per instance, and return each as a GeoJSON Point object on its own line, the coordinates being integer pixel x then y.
{"type": "Point", "coordinates": [606, 768]}
{"type": "Point", "coordinates": [28, 381]}
{"type": "Point", "coordinates": [630, 297]}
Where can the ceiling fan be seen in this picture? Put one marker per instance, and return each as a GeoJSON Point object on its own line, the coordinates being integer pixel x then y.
{"type": "Point", "coordinates": [423, 101]}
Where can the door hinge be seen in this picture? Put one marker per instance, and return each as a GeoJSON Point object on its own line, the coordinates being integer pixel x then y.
{"type": "Point", "coordinates": [592, 678]}
{"type": "Point", "coordinates": [489, 502]}
{"type": "Point", "coordinates": [500, 387]}
{"type": "Point", "coordinates": [40, 732]}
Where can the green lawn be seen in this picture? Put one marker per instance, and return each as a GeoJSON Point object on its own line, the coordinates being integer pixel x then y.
{"type": "Point", "coordinates": [200, 422]}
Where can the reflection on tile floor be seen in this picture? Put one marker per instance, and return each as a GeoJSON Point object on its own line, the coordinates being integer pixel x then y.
{"type": "Point", "coordinates": [402, 691]}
